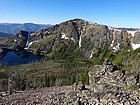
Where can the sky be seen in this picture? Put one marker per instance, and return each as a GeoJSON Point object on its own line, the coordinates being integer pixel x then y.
{"type": "Point", "coordinates": [115, 13]}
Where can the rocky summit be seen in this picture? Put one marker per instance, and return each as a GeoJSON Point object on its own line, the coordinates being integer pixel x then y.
{"type": "Point", "coordinates": [76, 35]}
{"type": "Point", "coordinates": [108, 85]}
{"type": "Point", "coordinates": [82, 37]}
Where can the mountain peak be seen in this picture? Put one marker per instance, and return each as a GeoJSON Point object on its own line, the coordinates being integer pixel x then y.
{"type": "Point", "coordinates": [78, 19]}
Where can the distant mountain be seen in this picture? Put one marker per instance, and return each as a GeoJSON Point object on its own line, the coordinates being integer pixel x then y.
{"type": "Point", "coordinates": [129, 29]}
{"type": "Point", "coordinates": [14, 28]}
{"type": "Point", "coordinates": [4, 34]}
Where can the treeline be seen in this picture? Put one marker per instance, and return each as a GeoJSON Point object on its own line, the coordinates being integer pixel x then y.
{"type": "Point", "coordinates": [65, 72]}
{"type": "Point", "coordinates": [126, 58]}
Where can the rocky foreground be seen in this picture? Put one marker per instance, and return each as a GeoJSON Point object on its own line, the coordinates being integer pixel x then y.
{"type": "Point", "coordinates": [46, 96]}
{"type": "Point", "coordinates": [108, 85]}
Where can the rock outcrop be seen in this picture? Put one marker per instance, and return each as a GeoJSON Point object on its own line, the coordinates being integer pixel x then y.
{"type": "Point", "coordinates": [108, 85]}
{"type": "Point", "coordinates": [16, 42]}
{"type": "Point", "coordinates": [115, 86]}
{"type": "Point", "coordinates": [21, 40]}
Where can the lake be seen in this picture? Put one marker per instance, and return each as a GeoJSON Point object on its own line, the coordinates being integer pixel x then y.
{"type": "Point", "coordinates": [19, 57]}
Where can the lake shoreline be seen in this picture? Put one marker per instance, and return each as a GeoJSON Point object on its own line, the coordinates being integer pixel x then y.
{"type": "Point", "coordinates": [12, 58]}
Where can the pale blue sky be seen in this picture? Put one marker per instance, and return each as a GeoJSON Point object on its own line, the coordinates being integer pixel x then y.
{"type": "Point", "coordinates": [117, 13]}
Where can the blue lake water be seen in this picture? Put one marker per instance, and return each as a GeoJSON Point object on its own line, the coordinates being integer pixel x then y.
{"type": "Point", "coordinates": [16, 58]}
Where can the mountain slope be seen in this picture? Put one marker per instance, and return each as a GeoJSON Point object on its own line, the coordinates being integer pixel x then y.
{"type": "Point", "coordinates": [71, 35]}
{"type": "Point", "coordinates": [81, 38]}
{"type": "Point", "coordinates": [12, 28]}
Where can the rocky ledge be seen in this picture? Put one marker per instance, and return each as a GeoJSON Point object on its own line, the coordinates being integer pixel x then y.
{"type": "Point", "coordinates": [108, 85]}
